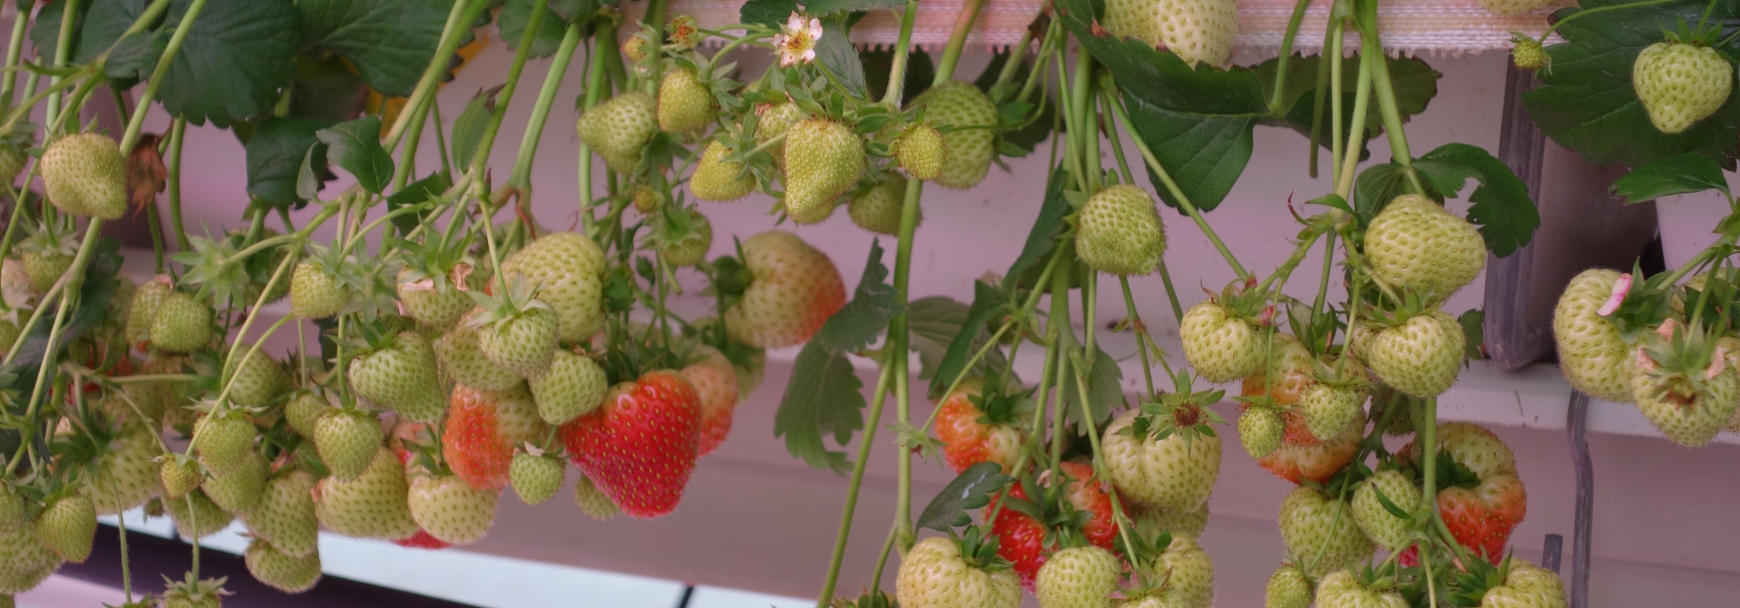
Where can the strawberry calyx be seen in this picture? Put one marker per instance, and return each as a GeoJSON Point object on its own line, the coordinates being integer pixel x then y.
{"type": "Point", "coordinates": [979, 548]}
{"type": "Point", "coordinates": [1185, 412]}
{"type": "Point", "coordinates": [516, 301]}
{"type": "Point", "coordinates": [1681, 359]}
{"type": "Point", "coordinates": [873, 598]}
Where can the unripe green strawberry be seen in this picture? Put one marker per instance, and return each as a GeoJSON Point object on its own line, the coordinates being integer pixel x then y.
{"type": "Point", "coordinates": [1189, 575]}
{"type": "Point", "coordinates": [68, 527]}
{"type": "Point", "coordinates": [44, 268]}
{"type": "Point", "coordinates": [12, 161]}
{"type": "Point", "coordinates": [1415, 244]}
{"type": "Point", "coordinates": [1592, 355]}
{"type": "Point", "coordinates": [303, 411]}
{"type": "Point", "coordinates": [573, 386]}
{"type": "Point", "coordinates": [719, 180]}
{"type": "Point", "coordinates": [878, 208]}
{"type": "Point", "coordinates": [934, 574]}
{"type": "Point", "coordinates": [1310, 523]}
{"type": "Point", "coordinates": [11, 510]}
{"type": "Point", "coordinates": [182, 324]}
{"type": "Point", "coordinates": [1078, 577]}
{"type": "Point", "coordinates": [221, 439]}
{"type": "Point", "coordinates": [823, 160]}
{"type": "Point", "coordinates": [258, 380]}
{"type": "Point", "coordinates": [1527, 54]}
{"type": "Point", "coordinates": [347, 440]}
{"type": "Point", "coordinates": [794, 291]}
{"type": "Point", "coordinates": [450, 509]}
{"type": "Point", "coordinates": [1119, 232]}
{"type": "Point", "coordinates": [1329, 410]}
{"type": "Point", "coordinates": [685, 103]}
{"type": "Point", "coordinates": [1287, 588]}
{"type": "Point", "coordinates": [278, 570]}
{"type": "Point", "coordinates": [1513, 7]}
{"type": "Point", "coordinates": [1221, 346]}
{"type": "Point", "coordinates": [1420, 357]}
{"type": "Point", "coordinates": [86, 175]}
{"type": "Point", "coordinates": [568, 270]}
{"type": "Point", "coordinates": [438, 307]}
{"type": "Point", "coordinates": [536, 478]}
{"type": "Point", "coordinates": [1179, 523]}
{"type": "Point", "coordinates": [179, 476]}
{"type": "Point", "coordinates": [463, 359]}
{"type": "Point", "coordinates": [970, 146]}
{"type": "Point", "coordinates": [618, 129]}
{"type": "Point", "coordinates": [1261, 430]}
{"type": "Point", "coordinates": [196, 516]}
{"type": "Point", "coordinates": [401, 376]}
{"type": "Point", "coordinates": [195, 594]}
{"type": "Point", "coordinates": [125, 475]}
{"type": "Point", "coordinates": [522, 343]}
{"type": "Point", "coordinates": [1381, 526]}
{"type": "Point", "coordinates": [774, 120]}
{"type": "Point", "coordinates": [1526, 586]}
{"type": "Point", "coordinates": [316, 293]}
{"type": "Point", "coordinates": [1685, 392]}
{"type": "Point", "coordinates": [8, 335]}
{"type": "Point", "coordinates": [1175, 473]}
{"type": "Point", "coordinates": [144, 308]}
{"type": "Point", "coordinates": [285, 514]}
{"type": "Point", "coordinates": [370, 506]}
{"type": "Point", "coordinates": [922, 151]}
{"type": "Point", "coordinates": [1196, 30]}
{"type": "Point", "coordinates": [593, 502]}
{"type": "Point", "coordinates": [24, 561]}
{"type": "Point", "coordinates": [239, 490]}
{"type": "Point", "coordinates": [684, 237]}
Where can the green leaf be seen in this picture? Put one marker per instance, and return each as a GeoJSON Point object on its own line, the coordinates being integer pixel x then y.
{"type": "Point", "coordinates": [469, 127]}
{"type": "Point", "coordinates": [416, 193]}
{"type": "Point", "coordinates": [237, 58]}
{"type": "Point", "coordinates": [275, 154]}
{"type": "Point", "coordinates": [1681, 174]}
{"type": "Point", "coordinates": [933, 323]}
{"type": "Point", "coordinates": [827, 8]}
{"type": "Point", "coordinates": [1105, 388]}
{"type": "Point", "coordinates": [389, 41]}
{"type": "Point", "coordinates": [920, 71]}
{"type": "Point", "coordinates": [325, 89]}
{"type": "Point", "coordinates": [1415, 84]}
{"type": "Point", "coordinates": [971, 490]}
{"type": "Point", "coordinates": [856, 325]}
{"type": "Point", "coordinates": [134, 56]}
{"type": "Point", "coordinates": [356, 146]}
{"type": "Point", "coordinates": [1502, 208]}
{"type": "Point", "coordinates": [771, 13]}
{"type": "Point", "coordinates": [968, 338]}
{"type": "Point", "coordinates": [100, 24]}
{"type": "Point", "coordinates": [512, 24]}
{"type": "Point", "coordinates": [1377, 186]}
{"type": "Point", "coordinates": [1473, 332]}
{"type": "Point", "coordinates": [1587, 102]}
{"type": "Point", "coordinates": [1198, 122]}
{"type": "Point", "coordinates": [835, 52]}
{"type": "Point", "coordinates": [1042, 238]}
{"type": "Point", "coordinates": [823, 397]}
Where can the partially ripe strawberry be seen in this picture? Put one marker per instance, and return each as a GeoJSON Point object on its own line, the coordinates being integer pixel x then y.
{"type": "Point", "coordinates": [1592, 355]}
{"type": "Point", "coordinates": [1480, 513]}
{"type": "Point", "coordinates": [1119, 232]}
{"type": "Point", "coordinates": [794, 291]}
{"type": "Point", "coordinates": [239, 490]}
{"type": "Point", "coordinates": [1288, 588]}
{"type": "Point", "coordinates": [196, 516]}
{"type": "Point", "coordinates": [1196, 30]}
{"type": "Point", "coordinates": [568, 270]}
{"type": "Point", "coordinates": [279, 570]}
{"type": "Point", "coordinates": [1513, 7]}
{"type": "Point", "coordinates": [971, 144]}
{"type": "Point", "coordinates": [922, 151]}
{"type": "Point", "coordinates": [1176, 473]}
{"type": "Point", "coordinates": [878, 207]}
{"type": "Point", "coordinates": [182, 324]}
{"type": "Point", "coordinates": [370, 506]}
{"type": "Point", "coordinates": [823, 160]}
{"type": "Point", "coordinates": [67, 525]}
{"type": "Point", "coordinates": [716, 385]}
{"type": "Point", "coordinates": [1261, 430]}
{"type": "Point", "coordinates": [685, 103]}
{"type": "Point", "coordinates": [970, 435]}
{"type": "Point", "coordinates": [1420, 357]}
{"type": "Point", "coordinates": [450, 509]}
{"type": "Point", "coordinates": [1079, 577]}
{"type": "Point", "coordinates": [1415, 244]}
{"type": "Point", "coordinates": [619, 128]}
{"type": "Point", "coordinates": [316, 293]}
{"type": "Point", "coordinates": [401, 376]}
{"type": "Point", "coordinates": [1219, 344]}
{"type": "Point", "coordinates": [717, 179]}
{"type": "Point", "coordinates": [347, 440]}
{"type": "Point", "coordinates": [1680, 83]}
{"type": "Point", "coordinates": [573, 386]}
{"type": "Point", "coordinates": [934, 574]}
{"type": "Point", "coordinates": [462, 357]}
{"type": "Point", "coordinates": [422, 540]}
{"type": "Point", "coordinates": [86, 175]}
{"type": "Point", "coordinates": [592, 501]}
{"type": "Point", "coordinates": [285, 514]}
{"type": "Point", "coordinates": [482, 430]}
{"type": "Point", "coordinates": [639, 448]}
{"type": "Point", "coordinates": [1312, 522]}
{"type": "Point", "coordinates": [1379, 525]}
{"type": "Point", "coordinates": [536, 478]}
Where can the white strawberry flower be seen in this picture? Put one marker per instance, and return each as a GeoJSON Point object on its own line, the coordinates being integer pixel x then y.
{"type": "Point", "coordinates": [796, 41]}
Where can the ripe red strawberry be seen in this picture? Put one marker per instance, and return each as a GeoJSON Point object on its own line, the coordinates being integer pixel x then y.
{"type": "Point", "coordinates": [568, 270]}
{"type": "Point", "coordinates": [86, 175]}
{"type": "Point", "coordinates": [1592, 355]}
{"type": "Point", "coordinates": [619, 128]}
{"type": "Point", "coordinates": [401, 375]}
{"type": "Point", "coordinates": [794, 291]}
{"type": "Point", "coordinates": [879, 207]}
{"type": "Point", "coordinates": [640, 446]}
{"type": "Point", "coordinates": [347, 440]}
{"type": "Point", "coordinates": [1482, 509]}
{"type": "Point", "coordinates": [717, 179]}
{"type": "Point", "coordinates": [685, 103]}
{"type": "Point", "coordinates": [1176, 472]}
{"type": "Point", "coordinates": [281, 571]}
{"type": "Point", "coordinates": [182, 324]}
{"type": "Point", "coordinates": [450, 509]}
{"type": "Point", "coordinates": [1196, 30]}
{"type": "Point", "coordinates": [67, 525]}
{"type": "Point", "coordinates": [285, 515]}
{"type": "Point", "coordinates": [422, 540]}
{"type": "Point", "coordinates": [975, 427]}
{"type": "Point", "coordinates": [936, 574]}
{"type": "Point", "coordinates": [370, 506]}
{"type": "Point", "coordinates": [1026, 529]}
{"type": "Point", "coordinates": [1679, 83]}
{"type": "Point", "coordinates": [716, 385]}
{"type": "Point", "coordinates": [970, 144]}
{"type": "Point", "coordinates": [483, 428]}
{"type": "Point", "coordinates": [1312, 522]}
{"type": "Point", "coordinates": [573, 386]}
{"type": "Point", "coordinates": [823, 160]}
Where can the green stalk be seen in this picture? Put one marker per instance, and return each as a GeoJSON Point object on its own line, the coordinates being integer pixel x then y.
{"type": "Point", "coordinates": [177, 135]}
{"type": "Point", "coordinates": [69, 283]}
{"type": "Point", "coordinates": [1141, 335]}
{"type": "Point", "coordinates": [133, 126]}
{"type": "Point", "coordinates": [897, 332]}
{"type": "Point", "coordinates": [413, 140]}
{"type": "Point", "coordinates": [1177, 195]}
{"type": "Point", "coordinates": [1286, 54]}
{"type": "Point", "coordinates": [1085, 128]}
{"type": "Point", "coordinates": [1337, 137]}
{"type": "Point", "coordinates": [945, 69]}
{"type": "Point", "coordinates": [874, 420]}
{"type": "Point", "coordinates": [457, 21]}
{"type": "Point", "coordinates": [62, 52]}
{"type": "Point", "coordinates": [1372, 47]}
{"type": "Point", "coordinates": [522, 175]}
{"type": "Point", "coordinates": [596, 86]}
{"type": "Point", "coordinates": [481, 159]}
{"type": "Point", "coordinates": [14, 51]}
{"type": "Point", "coordinates": [1356, 131]}
{"type": "Point", "coordinates": [897, 68]}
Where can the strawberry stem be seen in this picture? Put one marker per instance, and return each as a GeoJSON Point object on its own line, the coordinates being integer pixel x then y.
{"type": "Point", "coordinates": [597, 84]}
{"type": "Point", "coordinates": [62, 50]}
{"type": "Point", "coordinates": [1286, 55]}
{"type": "Point", "coordinates": [1377, 62]}
{"type": "Point", "coordinates": [877, 399]}
{"type": "Point", "coordinates": [522, 175]}
{"type": "Point", "coordinates": [462, 14]}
